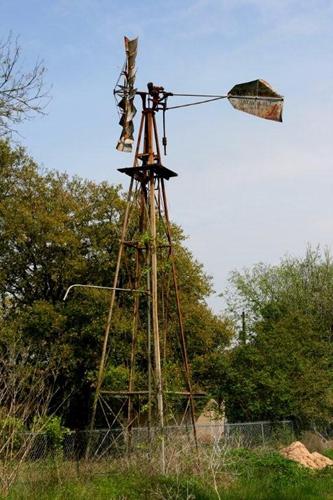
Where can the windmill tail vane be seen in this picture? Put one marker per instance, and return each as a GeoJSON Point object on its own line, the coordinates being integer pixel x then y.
{"type": "Point", "coordinates": [256, 97]}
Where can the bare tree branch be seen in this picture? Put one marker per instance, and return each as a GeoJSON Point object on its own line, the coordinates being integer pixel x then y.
{"type": "Point", "coordinates": [22, 93]}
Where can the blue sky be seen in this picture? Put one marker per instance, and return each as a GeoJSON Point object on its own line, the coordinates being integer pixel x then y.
{"type": "Point", "coordinates": [248, 190]}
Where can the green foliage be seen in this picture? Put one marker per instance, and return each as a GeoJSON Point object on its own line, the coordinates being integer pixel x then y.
{"type": "Point", "coordinates": [9, 424]}
{"type": "Point", "coordinates": [52, 428]}
{"type": "Point", "coordinates": [262, 463]}
{"type": "Point", "coordinates": [56, 231]}
{"type": "Point", "coordinates": [116, 377]}
{"type": "Point", "coordinates": [116, 485]}
{"type": "Point", "coordinates": [285, 368]}
{"type": "Point", "coordinates": [265, 474]}
{"type": "Point", "coordinates": [242, 474]}
{"type": "Point", "coordinates": [11, 429]}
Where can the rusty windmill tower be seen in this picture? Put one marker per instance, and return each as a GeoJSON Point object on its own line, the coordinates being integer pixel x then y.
{"type": "Point", "coordinates": [147, 234]}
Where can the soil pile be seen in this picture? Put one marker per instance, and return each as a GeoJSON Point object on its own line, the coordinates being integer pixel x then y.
{"type": "Point", "coordinates": [299, 453]}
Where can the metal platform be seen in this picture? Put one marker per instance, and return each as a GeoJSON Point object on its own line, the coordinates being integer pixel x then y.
{"type": "Point", "coordinates": [140, 173]}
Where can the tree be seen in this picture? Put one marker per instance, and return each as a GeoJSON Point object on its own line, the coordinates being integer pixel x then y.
{"type": "Point", "coordinates": [22, 93]}
{"type": "Point", "coordinates": [285, 368]}
{"type": "Point", "coordinates": [56, 231]}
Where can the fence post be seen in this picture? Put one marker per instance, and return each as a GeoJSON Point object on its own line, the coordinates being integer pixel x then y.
{"type": "Point", "coordinates": [262, 433]}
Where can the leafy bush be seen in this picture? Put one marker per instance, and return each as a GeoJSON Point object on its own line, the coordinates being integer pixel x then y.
{"type": "Point", "coordinates": [11, 435]}
{"type": "Point", "coordinates": [261, 463]}
{"type": "Point", "coordinates": [53, 429]}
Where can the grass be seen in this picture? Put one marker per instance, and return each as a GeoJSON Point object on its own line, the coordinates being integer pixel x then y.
{"type": "Point", "coordinates": [267, 475]}
{"type": "Point", "coordinates": [241, 474]}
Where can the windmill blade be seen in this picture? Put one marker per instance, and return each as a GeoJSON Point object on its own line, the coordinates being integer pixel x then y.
{"type": "Point", "coordinates": [131, 48]}
{"type": "Point", "coordinates": [257, 98]}
{"type": "Point", "coordinates": [127, 92]}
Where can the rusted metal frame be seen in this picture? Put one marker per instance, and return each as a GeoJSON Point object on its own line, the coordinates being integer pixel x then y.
{"type": "Point", "coordinates": [116, 416]}
{"type": "Point", "coordinates": [111, 445]}
{"type": "Point", "coordinates": [140, 247]}
{"type": "Point", "coordinates": [96, 454]}
{"type": "Point", "coordinates": [133, 352]}
{"type": "Point", "coordinates": [135, 318]}
{"type": "Point", "coordinates": [102, 401]}
{"type": "Point", "coordinates": [137, 299]}
{"type": "Point", "coordinates": [158, 201]}
{"type": "Point", "coordinates": [100, 376]}
{"type": "Point", "coordinates": [120, 410]}
{"type": "Point", "coordinates": [154, 293]}
{"type": "Point", "coordinates": [139, 173]}
{"type": "Point", "coordinates": [128, 204]}
{"type": "Point", "coordinates": [139, 140]}
{"type": "Point", "coordinates": [114, 440]}
{"type": "Point", "coordinates": [185, 412]}
{"type": "Point", "coordinates": [124, 393]}
{"type": "Point", "coordinates": [186, 393]}
{"type": "Point", "coordinates": [146, 213]}
{"type": "Point", "coordinates": [124, 255]}
{"type": "Point", "coordinates": [158, 155]}
{"type": "Point", "coordinates": [149, 312]}
{"type": "Point", "coordinates": [127, 269]}
{"type": "Point", "coordinates": [166, 324]}
{"type": "Point", "coordinates": [164, 313]}
{"type": "Point", "coordinates": [157, 145]}
{"type": "Point", "coordinates": [164, 308]}
{"type": "Point", "coordinates": [142, 393]}
{"type": "Point", "coordinates": [145, 157]}
{"type": "Point", "coordinates": [180, 318]}
{"type": "Point", "coordinates": [164, 333]}
{"type": "Point", "coordinates": [162, 301]}
{"type": "Point", "coordinates": [133, 244]}
{"type": "Point", "coordinates": [149, 367]}
{"type": "Point", "coordinates": [105, 416]}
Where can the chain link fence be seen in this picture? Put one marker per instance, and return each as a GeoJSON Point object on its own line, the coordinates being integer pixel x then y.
{"type": "Point", "coordinates": [27, 459]}
{"type": "Point", "coordinates": [114, 443]}
{"type": "Point", "coordinates": [259, 433]}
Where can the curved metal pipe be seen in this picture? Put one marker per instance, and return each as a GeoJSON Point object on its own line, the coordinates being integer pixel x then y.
{"type": "Point", "coordinates": [101, 287]}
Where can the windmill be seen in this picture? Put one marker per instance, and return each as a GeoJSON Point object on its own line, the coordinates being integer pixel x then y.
{"type": "Point", "coordinates": [151, 239]}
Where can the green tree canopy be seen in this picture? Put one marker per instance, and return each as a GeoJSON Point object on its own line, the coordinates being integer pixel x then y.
{"type": "Point", "coordinates": [55, 231]}
{"type": "Point", "coordinates": [285, 367]}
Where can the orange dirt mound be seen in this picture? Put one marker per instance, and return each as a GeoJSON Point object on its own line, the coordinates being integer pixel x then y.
{"type": "Point", "coordinates": [299, 453]}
